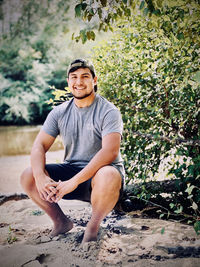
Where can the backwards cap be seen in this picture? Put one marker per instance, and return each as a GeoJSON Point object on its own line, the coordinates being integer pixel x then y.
{"type": "Point", "coordinates": [80, 63]}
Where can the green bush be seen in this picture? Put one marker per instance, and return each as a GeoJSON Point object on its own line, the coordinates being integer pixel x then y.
{"type": "Point", "coordinates": [150, 69]}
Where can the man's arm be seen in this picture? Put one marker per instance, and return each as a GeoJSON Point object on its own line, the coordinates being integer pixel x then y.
{"type": "Point", "coordinates": [106, 155]}
{"type": "Point", "coordinates": [41, 145]}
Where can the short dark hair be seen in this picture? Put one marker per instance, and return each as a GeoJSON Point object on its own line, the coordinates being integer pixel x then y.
{"type": "Point", "coordinates": [81, 63]}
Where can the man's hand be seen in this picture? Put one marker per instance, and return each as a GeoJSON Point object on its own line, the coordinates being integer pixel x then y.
{"type": "Point", "coordinates": [46, 191]}
{"type": "Point", "coordinates": [62, 188]}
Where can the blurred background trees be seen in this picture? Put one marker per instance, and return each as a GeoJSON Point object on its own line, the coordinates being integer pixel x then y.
{"type": "Point", "coordinates": [35, 50]}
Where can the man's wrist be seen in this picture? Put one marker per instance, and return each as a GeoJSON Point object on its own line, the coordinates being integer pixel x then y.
{"type": "Point", "coordinates": [39, 176]}
{"type": "Point", "coordinates": [76, 179]}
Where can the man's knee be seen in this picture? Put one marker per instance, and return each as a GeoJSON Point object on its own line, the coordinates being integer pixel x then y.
{"type": "Point", "coordinates": [107, 178]}
{"type": "Point", "coordinates": [26, 178]}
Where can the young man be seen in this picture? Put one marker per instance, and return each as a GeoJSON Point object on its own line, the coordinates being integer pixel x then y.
{"type": "Point", "coordinates": [91, 129]}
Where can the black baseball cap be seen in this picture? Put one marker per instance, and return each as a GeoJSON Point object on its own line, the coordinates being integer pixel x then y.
{"type": "Point", "coordinates": [80, 63]}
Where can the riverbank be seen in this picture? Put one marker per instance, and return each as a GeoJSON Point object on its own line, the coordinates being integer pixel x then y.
{"type": "Point", "coordinates": [18, 140]}
{"type": "Point", "coordinates": [124, 240]}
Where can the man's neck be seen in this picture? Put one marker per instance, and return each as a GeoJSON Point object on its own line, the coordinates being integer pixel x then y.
{"type": "Point", "coordinates": [85, 102]}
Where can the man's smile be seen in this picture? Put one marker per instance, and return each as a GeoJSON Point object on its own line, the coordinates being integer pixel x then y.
{"type": "Point", "coordinates": [79, 88]}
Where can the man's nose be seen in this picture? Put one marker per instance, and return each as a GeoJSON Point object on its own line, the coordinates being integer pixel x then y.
{"type": "Point", "coordinates": [79, 80]}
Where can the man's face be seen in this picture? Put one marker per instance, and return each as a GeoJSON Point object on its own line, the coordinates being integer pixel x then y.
{"type": "Point", "coordinates": [81, 83]}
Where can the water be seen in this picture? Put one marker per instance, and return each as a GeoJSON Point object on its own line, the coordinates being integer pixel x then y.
{"type": "Point", "coordinates": [18, 140]}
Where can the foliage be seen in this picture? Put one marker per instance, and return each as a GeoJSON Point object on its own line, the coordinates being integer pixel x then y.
{"type": "Point", "coordinates": [106, 12]}
{"type": "Point", "coordinates": [11, 238]}
{"type": "Point", "coordinates": [24, 87]}
{"type": "Point", "coordinates": [37, 212]}
{"type": "Point", "coordinates": [35, 50]}
{"type": "Point", "coordinates": [29, 64]}
{"type": "Point", "coordinates": [103, 11]}
{"type": "Point", "coordinates": [59, 96]}
{"type": "Point", "coordinates": [155, 62]}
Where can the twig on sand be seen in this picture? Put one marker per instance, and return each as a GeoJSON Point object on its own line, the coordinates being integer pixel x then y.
{"type": "Point", "coordinates": [16, 196]}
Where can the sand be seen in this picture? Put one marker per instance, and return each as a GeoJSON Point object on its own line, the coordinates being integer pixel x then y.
{"type": "Point", "coordinates": [124, 239]}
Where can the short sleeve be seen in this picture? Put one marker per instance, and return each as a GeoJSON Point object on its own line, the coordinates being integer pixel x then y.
{"type": "Point", "coordinates": [50, 125]}
{"type": "Point", "coordinates": [112, 122]}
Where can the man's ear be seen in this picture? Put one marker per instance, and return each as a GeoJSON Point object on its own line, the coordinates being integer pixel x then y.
{"type": "Point", "coordinates": [95, 80]}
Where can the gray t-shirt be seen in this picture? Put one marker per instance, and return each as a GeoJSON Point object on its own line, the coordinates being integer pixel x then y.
{"type": "Point", "coordinates": [82, 129]}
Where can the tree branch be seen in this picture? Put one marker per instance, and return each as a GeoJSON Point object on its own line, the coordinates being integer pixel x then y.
{"type": "Point", "coordinates": [177, 141]}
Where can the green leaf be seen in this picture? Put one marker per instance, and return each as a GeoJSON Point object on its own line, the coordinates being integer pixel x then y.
{"type": "Point", "coordinates": [180, 36]}
{"type": "Point", "coordinates": [83, 35]}
{"type": "Point", "coordinates": [197, 227]}
{"type": "Point", "coordinates": [91, 12]}
{"type": "Point", "coordinates": [37, 212]}
{"type": "Point", "coordinates": [162, 231]}
{"type": "Point", "coordinates": [146, 11]}
{"type": "Point", "coordinates": [78, 9]}
{"type": "Point", "coordinates": [92, 35]}
{"type": "Point", "coordinates": [142, 5]}
{"type": "Point", "coordinates": [88, 35]}
{"type": "Point", "coordinates": [197, 76]}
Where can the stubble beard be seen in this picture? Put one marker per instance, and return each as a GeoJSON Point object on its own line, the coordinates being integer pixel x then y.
{"type": "Point", "coordinates": [83, 96]}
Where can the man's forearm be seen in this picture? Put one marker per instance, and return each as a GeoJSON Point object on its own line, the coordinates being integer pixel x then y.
{"type": "Point", "coordinates": [38, 160]}
{"type": "Point", "coordinates": [102, 158]}
{"type": "Point", "coordinates": [38, 153]}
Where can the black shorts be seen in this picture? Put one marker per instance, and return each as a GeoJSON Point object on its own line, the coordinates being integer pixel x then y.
{"type": "Point", "coordinates": [64, 172]}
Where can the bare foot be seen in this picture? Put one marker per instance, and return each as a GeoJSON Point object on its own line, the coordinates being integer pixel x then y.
{"type": "Point", "coordinates": [61, 227]}
{"type": "Point", "coordinates": [90, 233]}
{"type": "Point", "coordinates": [88, 237]}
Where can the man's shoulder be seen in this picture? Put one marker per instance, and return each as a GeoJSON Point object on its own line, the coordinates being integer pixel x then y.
{"type": "Point", "coordinates": [62, 107]}
{"type": "Point", "coordinates": [105, 102]}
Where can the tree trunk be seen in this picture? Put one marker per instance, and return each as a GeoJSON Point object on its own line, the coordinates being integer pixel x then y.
{"type": "Point", "coordinates": [155, 187]}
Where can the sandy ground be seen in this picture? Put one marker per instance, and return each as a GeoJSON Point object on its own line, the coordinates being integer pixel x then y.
{"type": "Point", "coordinates": [124, 240]}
